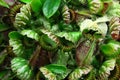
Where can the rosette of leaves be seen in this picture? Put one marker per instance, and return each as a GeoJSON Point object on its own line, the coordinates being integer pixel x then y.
{"type": "Point", "coordinates": [21, 67]}
{"type": "Point", "coordinates": [72, 41]}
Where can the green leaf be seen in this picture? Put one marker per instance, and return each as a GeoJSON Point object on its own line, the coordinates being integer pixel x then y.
{"type": "Point", "coordinates": [107, 49]}
{"type": "Point", "coordinates": [3, 3]}
{"type": "Point", "coordinates": [59, 58]}
{"type": "Point", "coordinates": [84, 52]}
{"type": "Point", "coordinates": [91, 30]}
{"type": "Point", "coordinates": [102, 19]}
{"type": "Point", "coordinates": [85, 24]}
{"type": "Point", "coordinates": [37, 5]}
{"type": "Point", "coordinates": [106, 67]}
{"type": "Point", "coordinates": [21, 67]}
{"type": "Point", "coordinates": [111, 49]}
{"type": "Point", "coordinates": [77, 73]}
{"type": "Point", "coordinates": [114, 10]}
{"type": "Point", "coordinates": [48, 74]}
{"type": "Point", "coordinates": [31, 34]}
{"type": "Point", "coordinates": [50, 7]}
{"type": "Point", "coordinates": [15, 35]}
{"type": "Point", "coordinates": [71, 36]}
{"type": "Point", "coordinates": [16, 43]}
{"type": "Point", "coordinates": [23, 19]}
{"type": "Point", "coordinates": [55, 68]}
{"type": "Point", "coordinates": [18, 47]}
{"type": "Point", "coordinates": [25, 1]}
{"type": "Point", "coordinates": [3, 27]}
{"type": "Point", "coordinates": [103, 28]}
{"type": "Point", "coordinates": [44, 22]}
{"type": "Point", "coordinates": [89, 55]}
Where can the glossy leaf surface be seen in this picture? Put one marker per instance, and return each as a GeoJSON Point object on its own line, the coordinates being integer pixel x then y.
{"type": "Point", "coordinates": [55, 68]}
{"type": "Point", "coordinates": [36, 5]}
{"type": "Point", "coordinates": [50, 7]}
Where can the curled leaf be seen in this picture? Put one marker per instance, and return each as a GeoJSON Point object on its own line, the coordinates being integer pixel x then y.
{"type": "Point", "coordinates": [115, 73]}
{"type": "Point", "coordinates": [103, 27]}
{"type": "Point", "coordinates": [106, 67]}
{"type": "Point", "coordinates": [47, 43]}
{"type": "Point", "coordinates": [68, 14]}
{"type": "Point", "coordinates": [70, 36]}
{"type": "Point", "coordinates": [22, 68]}
{"type": "Point", "coordinates": [16, 43]}
{"type": "Point", "coordinates": [48, 74]}
{"type": "Point", "coordinates": [114, 23]}
{"type": "Point", "coordinates": [51, 35]}
{"type": "Point", "coordinates": [91, 29]}
{"type": "Point", "coordinates": [30, 34]}
{"type": "Point", "coordinates": [23, 18]}
{"type": "Point", "coordinates": [95, 6]}
{"type": "Point", "coordinates": [114, 26]}
{"type": "Point", "coordinates": [114, 10]}
{"type": "Point", "coordinates": [79, 72]}
{"type": "Point", "coordinates": [111, 49]}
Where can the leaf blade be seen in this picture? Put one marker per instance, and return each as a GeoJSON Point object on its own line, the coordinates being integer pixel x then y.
{"type": "Point", "coordinates": [4, 4]}
{"type": "Point", "coordinates": [50, 7]}
{"type": "Point", "coordinates": [36, 5]}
